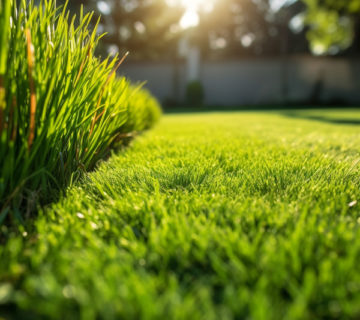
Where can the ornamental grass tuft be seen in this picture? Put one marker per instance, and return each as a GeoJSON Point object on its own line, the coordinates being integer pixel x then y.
{"type": "Point", "coordinates": [62, 109]}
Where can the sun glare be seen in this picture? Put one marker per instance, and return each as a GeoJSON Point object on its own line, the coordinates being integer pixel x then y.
{"type": "Point", "coordinates": [193, 7]}
{"type": "Point", "coordinates": [191, 16]}
{"type": "Point", "coordinates": [196, 4]}
{"type": "Point", "coordinates": [189, 19]}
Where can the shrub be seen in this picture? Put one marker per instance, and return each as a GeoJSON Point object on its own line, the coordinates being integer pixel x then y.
{"type": "Point", "coordinates": [195, 93]}
{"type": "Point", "coordinates": [61, 108]}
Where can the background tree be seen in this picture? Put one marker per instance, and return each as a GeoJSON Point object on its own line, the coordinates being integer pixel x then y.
{"type": "Point", "coordinates": [146, 28]}
{"type": "Point", "coordinates": [150, 29]}
{"type": "Point", "coordinates": [333, 25]}
{"type": "Point", "coordinates": [247, 27]}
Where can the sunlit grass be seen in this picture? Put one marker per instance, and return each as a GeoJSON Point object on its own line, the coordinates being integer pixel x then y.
{"type": "Point", "coordinates": [208, 216]}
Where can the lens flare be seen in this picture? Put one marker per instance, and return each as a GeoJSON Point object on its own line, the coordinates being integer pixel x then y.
{"type": "Point", "coordinates": [189, 19]}
{"type": "Point", "coordinates": [193, 7]}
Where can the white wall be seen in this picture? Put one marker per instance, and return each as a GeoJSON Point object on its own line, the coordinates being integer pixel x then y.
{"type": "Point", "coordinates": [160, 78]}
{"type": "Point", "coordinates": [256, 80]}
{"type": "Point", "coordinates": [242, 82]}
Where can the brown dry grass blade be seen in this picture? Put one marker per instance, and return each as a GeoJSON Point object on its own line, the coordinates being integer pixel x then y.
{"type": "Point", "coordinates": [30, 56]}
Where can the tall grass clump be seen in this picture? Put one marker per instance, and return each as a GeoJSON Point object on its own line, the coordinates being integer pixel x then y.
{"type": "Point", "coordinates": [61, 108]}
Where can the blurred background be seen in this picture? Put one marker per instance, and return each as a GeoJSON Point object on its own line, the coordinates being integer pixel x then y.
{"type": "Point", "coordinates": [236, 52]}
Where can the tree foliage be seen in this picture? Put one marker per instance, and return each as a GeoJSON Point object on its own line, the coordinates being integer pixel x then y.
{"type": "Point", "coordinates": [146, 28]}
{"type": "Point", "coordinates": [250, 27]}
{"type": "Point", "coordinates": [150, 28]}
{"type": "Point", "coordinates": [332, 24]}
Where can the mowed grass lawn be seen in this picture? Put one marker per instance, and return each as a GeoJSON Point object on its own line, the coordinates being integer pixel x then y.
{"type": "Point", "coordinates": [208, 216]}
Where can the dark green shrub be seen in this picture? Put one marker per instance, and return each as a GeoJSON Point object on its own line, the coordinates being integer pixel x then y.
{"type": "Point", "coordinates": [195, 93]}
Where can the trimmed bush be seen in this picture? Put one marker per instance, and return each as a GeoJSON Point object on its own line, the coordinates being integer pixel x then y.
{"type": "Point", "coordinates": [61, 108]}
{"type": "Point", "coordinates": [195, 93]}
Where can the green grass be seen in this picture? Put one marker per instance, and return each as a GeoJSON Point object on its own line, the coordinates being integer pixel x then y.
{"type": "Point", "coordinates": [61, 108]}
{"type": "Point", "coordinates": [208, 216]}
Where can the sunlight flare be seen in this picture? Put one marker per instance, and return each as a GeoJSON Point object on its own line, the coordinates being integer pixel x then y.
{"type": "Point", "coordinates": [193, 7]}
{"type": "Point", "coordinates": [189, 19]}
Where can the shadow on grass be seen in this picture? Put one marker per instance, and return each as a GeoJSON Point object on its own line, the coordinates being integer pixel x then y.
{"type": "Point", "coordinates": [290, 111]}
{"type": "Point", "coordinates": [255, 108]}
{"type": "Point", "coordinates": [341, 121]}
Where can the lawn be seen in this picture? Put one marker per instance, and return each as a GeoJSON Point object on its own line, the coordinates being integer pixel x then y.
{"type": "Point", "coordinates": [207, 216]}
